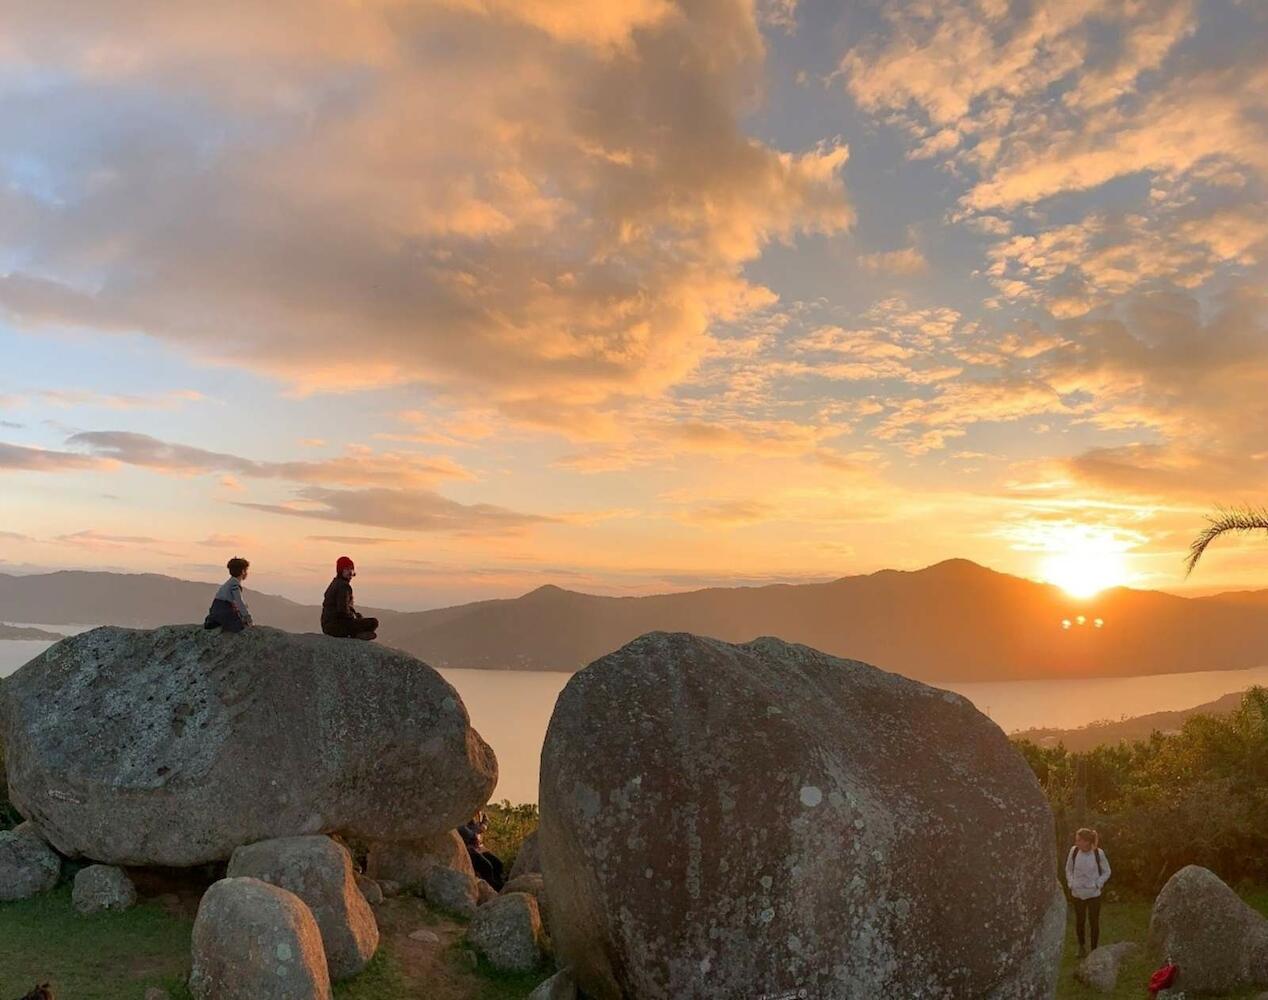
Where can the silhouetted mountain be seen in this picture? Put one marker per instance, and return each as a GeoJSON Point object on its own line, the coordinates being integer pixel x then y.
{"type": "Point", "coordinates": [1139, 727]}
{"type": "Point", "coordinates": [952, 621]}
{"type": "Point", "coordinates": [136, 600]}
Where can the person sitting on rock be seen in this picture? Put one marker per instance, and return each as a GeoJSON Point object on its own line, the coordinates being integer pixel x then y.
{"type": "Point", "coordinates": [1086, 872]}
{"type": "Point", "coordinates": [339, 615]}
{"type": "Point", "coordinates": [487, 865]}
{"type": "Point", "coordinates": [229, 610]}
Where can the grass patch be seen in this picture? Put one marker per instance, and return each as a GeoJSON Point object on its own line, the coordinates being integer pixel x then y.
{"type": "Point", "coordinates": [1128, 920]}
{"type": "Point", "coordinates": [102, 957]}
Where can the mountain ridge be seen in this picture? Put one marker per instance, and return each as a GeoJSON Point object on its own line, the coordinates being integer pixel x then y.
{"type": "Point", "coordinates": [952, 621]}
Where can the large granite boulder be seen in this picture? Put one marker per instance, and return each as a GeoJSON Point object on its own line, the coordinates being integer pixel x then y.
{"type": "Point", "coordinates": [28, 866]}
{"type": "Point", "coordinates": [176, 745]}
{"type": "Point", "coordinates": [1202, 925]}
{"type": "Point", "coordinates": [254, 941]}
{"type": "Point", "coordinates": [763, 819]}
{"type": "Point", "coordinates": [320, 873]}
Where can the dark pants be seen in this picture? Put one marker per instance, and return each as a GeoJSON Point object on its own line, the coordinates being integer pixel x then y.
{"type": "Point", "coordinates": [350, 628]}
{"type": "Point", "coordinates": [1089, 910]}
{"type": "Point", "coordinates": [224, 615]}
{"type": "Point", "coordinates": [488, 866]}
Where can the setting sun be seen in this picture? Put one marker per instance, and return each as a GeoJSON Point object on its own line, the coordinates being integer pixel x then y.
{"type": "Point", "coordinates": [1085, 571]}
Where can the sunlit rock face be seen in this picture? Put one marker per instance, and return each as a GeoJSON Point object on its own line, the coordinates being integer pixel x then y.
{"type": "Point", "coordinates": [765, 820]}
{"type": "Point", "coordinates": [175, 745]}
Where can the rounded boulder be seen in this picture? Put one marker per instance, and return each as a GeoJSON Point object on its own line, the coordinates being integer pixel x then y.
{"type": "Point", "coordinates": [320, 873]}
{"type": "Point", "coordinates": [765, 819]}
{"type": "Point", "coordinates": [173, 746]}
{"type": "Point", "coordinates": [254, 941]}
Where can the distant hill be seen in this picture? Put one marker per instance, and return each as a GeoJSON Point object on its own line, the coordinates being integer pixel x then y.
{"type": "Point", "coordinates": [137, 600]}
{"type": "Point", "coordinates": [21, 632]}
{"type": "Point", "coordinates": [954, 621]}
{"type": "Point", "coordinates": [1140, 727]}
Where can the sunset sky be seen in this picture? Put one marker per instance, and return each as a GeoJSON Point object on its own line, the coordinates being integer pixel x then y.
{"type": "Point", "coordinates": [631, 296]}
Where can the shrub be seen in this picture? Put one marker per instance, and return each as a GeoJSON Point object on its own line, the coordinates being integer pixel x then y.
{"type": "Point", "coordinates": [1199, 796]}
{"type": "Point", "coordinates": [508, 826]}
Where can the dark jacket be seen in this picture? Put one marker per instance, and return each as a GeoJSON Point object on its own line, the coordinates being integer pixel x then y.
{"type": "Point", "coordinates": [472, 833]}
{"type": "Point", "coordinates": [337, 605]}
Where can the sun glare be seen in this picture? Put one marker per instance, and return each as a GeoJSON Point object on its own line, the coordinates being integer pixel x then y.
{"type": "Point", "coordinates": [1085, 569]}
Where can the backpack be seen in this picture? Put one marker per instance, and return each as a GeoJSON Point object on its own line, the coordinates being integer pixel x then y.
{"type": "Point", "coordinates": [1096, 853]}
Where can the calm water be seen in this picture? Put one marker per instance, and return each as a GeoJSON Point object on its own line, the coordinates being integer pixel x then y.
{"type": "Point", "coordinates": [511, 708]}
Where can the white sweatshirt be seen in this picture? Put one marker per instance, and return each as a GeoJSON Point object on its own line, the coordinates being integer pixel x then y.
{"type": "Point", "coordinates": [1081, 874]}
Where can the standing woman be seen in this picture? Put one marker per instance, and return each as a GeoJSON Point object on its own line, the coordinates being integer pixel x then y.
{"type": "Point", "coordinates": [1086, 872]}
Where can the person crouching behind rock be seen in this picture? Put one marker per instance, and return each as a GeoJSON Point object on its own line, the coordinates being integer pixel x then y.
{"type": "Point", "coordinates": [487, 865]}
{"type": "Point", "coordinates": [339, 615]}
{"type": "Point", "coordinates": [1086, 872]}
{"type": "Point", "coordinates": [229, 610]}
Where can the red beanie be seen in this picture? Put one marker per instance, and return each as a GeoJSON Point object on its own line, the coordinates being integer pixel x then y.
{"type": "Point", "coordinates": [342, 563]}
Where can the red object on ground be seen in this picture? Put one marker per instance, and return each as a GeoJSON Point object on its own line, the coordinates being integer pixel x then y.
{"type": "Point", "coordinates": [1163, 978]}
{"type": "Point", "coordinates": [342, 563]}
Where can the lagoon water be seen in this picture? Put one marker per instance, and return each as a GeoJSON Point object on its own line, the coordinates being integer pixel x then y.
{"type": "Point", "coordinates": [512, 708]}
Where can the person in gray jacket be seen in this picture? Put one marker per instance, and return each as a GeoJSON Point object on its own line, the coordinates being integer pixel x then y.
{"type": "Point", "coordinates": [229, 609]}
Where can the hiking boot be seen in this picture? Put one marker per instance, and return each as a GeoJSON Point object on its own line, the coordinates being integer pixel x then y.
{"type": "Point", "coordinates": [367, 635]}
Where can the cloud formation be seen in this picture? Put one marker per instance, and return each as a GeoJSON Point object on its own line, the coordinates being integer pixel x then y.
{"type": "Point", "coordinates": [406, 510]}
{"type": "Point", "coordinates": [507, 200]}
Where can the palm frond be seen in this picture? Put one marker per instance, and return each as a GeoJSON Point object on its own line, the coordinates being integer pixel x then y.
{"type": "Point", "coordinates": [1224, 520]}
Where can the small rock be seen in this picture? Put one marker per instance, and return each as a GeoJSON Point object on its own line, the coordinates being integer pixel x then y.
{"type": "Point", "coordinates": [102, 887]}
{"type": "Point", "coordinates": [319, 872]}
{"type": "Point", "coordinates": [254, 941]}
{"type": "Point", "coordinates": [425, 936]}
{"type": "Point", "coordinates": [370, 889]}
{"type": "Point", "coordinates": [485, 893]}
{"type": "Point", "coordinates": [560, 986]}
{"type": "Point", "coordinates": [1100, 969]}
{"type": "Point", "coordinates": [155, 993]}
{"type": "Point", "coordinates": [28, 866]}
{"type": "Point", "coordinates": [451, 891]}
{"type": "Point", "coordinates": [508, 933]}
{"type": "Point", "coordinates": [390, 887]}
{"type": "Point", "coordinates": [528, 858]}
{"type": "Point", "coordinates": [534, 884]}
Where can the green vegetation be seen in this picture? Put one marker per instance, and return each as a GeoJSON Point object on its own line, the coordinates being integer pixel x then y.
{"type": "Point", "coordinates": [508, 826]}
{"type": "Point", "coordinates": [1128, 921]}
{"type": "Point", "coordinates": [1199, 796]}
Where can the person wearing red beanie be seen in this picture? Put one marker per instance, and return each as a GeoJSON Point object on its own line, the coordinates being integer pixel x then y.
{"type": "Point", "coordinates": [339, 615]}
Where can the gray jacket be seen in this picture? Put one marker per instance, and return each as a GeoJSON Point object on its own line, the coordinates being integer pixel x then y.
{"type": "Point", "coordinates": [231, 591]}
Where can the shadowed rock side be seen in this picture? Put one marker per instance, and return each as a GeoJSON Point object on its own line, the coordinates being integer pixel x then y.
{"type": "Point", "coordinates": [736, 820]}
{"type": "Point", "coordinates": [174, 746]}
